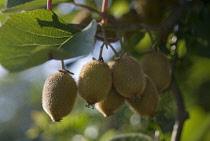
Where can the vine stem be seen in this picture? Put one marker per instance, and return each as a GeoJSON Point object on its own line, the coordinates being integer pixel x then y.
{"type": "Point", "coordinates": [101, 51]}
{"type": "Point", "coordinates": [109, 40]}
{"type": "Point", "coordinates": [49, 5]}
{"type": "Point", "coordinates": [85, 6]}
{"type": "Point", "coordinates": [107, 43]}
{"type": "Point", "coordinates": [182, 113]}
{"type": "Point", "coordinates": [104, 20]}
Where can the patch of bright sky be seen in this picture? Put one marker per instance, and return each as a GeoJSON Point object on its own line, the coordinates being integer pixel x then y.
{"type": "Point", "coordinates": [3, 72]}
{"type": "Point", "coordinates": [66, 8]}
{"type": "Point", "coordinates": [9, 110]}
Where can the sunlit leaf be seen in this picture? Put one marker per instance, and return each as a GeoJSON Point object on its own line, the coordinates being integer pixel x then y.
{"type": "Point", "coordinates": [32, 38]}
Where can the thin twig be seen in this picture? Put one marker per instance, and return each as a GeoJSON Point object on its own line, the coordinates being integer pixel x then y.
{"type": "Point", "coordinates": [110, 40]}
{"type": "Point", "coordinates": [122, 27]}
{"type": "Point", "coordinates": [85, 6]}
{"type": "Point", "coordinates": [108, 43]}
{"type": "Point", "coordinates": [111, 18]}
{"type": "Point", "coordinates": [63, 69]}
{"type": "Point", "coordinates": [115, 52]}
{"type": "Point", "coordinates": [101, 52]}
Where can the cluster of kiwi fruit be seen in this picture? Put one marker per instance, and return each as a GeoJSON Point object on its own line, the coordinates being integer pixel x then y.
{"type": "Point", "coordinates": [106, 86]}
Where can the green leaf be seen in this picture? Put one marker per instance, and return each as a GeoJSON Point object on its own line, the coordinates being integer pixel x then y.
{"type": "Point", "coordinates": [131, 137]}
{"type": "Point", "coordinates": [27, 5]}
{"type": "Point", "coordinates": [2, 4]}
{"type": "Point", "coordinates": [83, 41]}
{"type": "Point", "coordinates": [32, 38]}
{"type": "Point", "coordinates": [13, 3]}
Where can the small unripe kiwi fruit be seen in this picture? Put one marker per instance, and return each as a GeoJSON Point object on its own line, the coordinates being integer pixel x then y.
{"type": "Point", "coordinates": [95, 81]}
{"type": "Point", "coordinates": [59, 95]}
{"type": "Point", "coordinates": [148, 104]}
{"type": "Point", "coordinates": [157, 66]}
{"type": "Point", "coordinates": [128, 77]}
{"type": "Point", "coordinates": [111, 103]}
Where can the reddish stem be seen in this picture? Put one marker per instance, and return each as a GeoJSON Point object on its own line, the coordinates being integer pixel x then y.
{"type": "Point", "coordinates": [104, 20]}
{"type": "Point", "coordinates": [49, 5]}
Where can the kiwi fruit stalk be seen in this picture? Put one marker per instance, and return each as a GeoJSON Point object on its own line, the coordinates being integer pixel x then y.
{"type": "Point", "coordinates": [157, 66]}
{"type": "Point", "coordinates": [128, 77]}
{"type": "Point", "coordinates": [148, 104]}
{"type": "Point", "coordinates": [95, 81]}
{"type": "Point", "coordinates": [59, 95]}
{"type": "Point", "coordinates": [111, 103]}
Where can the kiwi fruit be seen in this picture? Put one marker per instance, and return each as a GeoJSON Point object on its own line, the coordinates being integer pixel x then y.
{"type": "Point", "coordinates": [156, 65]}
{"type": "Point", "coordinates": [59, 95]}
{"type": "Point", "coordinates": [128, 77]}
{"type": "Point", "coordinates": [95, 81]}
{"type": "Point", "coordinates": [148, 104]}
{"type": "Point", "coordinates": [111, 103]}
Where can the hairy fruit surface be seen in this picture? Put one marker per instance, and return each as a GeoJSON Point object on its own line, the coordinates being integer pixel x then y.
{"type": "Point", "coordinates": [156, 65]}
{"type": "Point", "coordinates": [148, 104]}
{"type": "Point", "coordinates": [59, 95]}
{"type": "Point", "coordinates": [128, 77]}
{"type": "Point", "coordinates": [95, 81]}
{"type": "Point", "coordinates": [111, 103]}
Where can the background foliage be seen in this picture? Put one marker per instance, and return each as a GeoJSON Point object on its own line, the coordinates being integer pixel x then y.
{"type": "Point", "coordinates": [21, 115]}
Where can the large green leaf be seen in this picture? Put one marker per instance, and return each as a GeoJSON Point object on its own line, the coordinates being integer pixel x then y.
{"type": "Point", "coordinates": [31, 38]}
{"type": "Point", "coordinates": [20, 5]}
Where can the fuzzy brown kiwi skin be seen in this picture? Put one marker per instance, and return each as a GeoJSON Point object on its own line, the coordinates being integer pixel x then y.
{"type": "Point", "coordinates": [148, 104]}
{"type": "Point", "coordinates": [156, 65]}
{"type": "Point", "coordinates": [128, 77]}
{"type": "Point", "coordinates": [112, 102]}
{"type": "Point", "coordinates": [59, 95]}
{"type": "Point", "coordinates": [94, 81]}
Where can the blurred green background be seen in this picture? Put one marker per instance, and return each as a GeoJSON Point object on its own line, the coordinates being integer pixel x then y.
{"type": "Point", "coordinates": [22, 117]}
